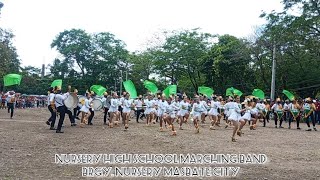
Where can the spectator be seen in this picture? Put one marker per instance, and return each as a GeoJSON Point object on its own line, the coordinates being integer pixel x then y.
{"type": "Point", "coordinates": [317, 112]}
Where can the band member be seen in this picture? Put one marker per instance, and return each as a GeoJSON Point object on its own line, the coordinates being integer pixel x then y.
{"type": "Point", "coordinates": [91, 108]}
{"type": "Point", "coordinates": [260, 107]}
{"type": "Point", "coordinates": [51, 107]}
{"type": "Point", "coordinates": [227, 110]}
{"type": "Point", "coordinates": [295, 111]}
{"type": "Point", "coordinates": [138, 106]}
{"type": "Point", "coordinates": [11, 102]}
{"type": "Point", "coordinates": [278, 112]}
{"type": "Point", "coordinates": [170, 114]}
{"type": "Point", "coordinates": [68, 111]}
{"type": "Point", "coordinates": [266, 112]}
{"type": "Point", "coordinates": [76, 110]}
{"type": "Point", "coordinates": [286, 107]}
{"type": "Point", "coordinates": [61, 108]}
{"type": "Point", "coordinates": [127, 103]}
{"type": "Point", "coordinates": [183, 113]}
{"type": "Point", "coordinates": [121, 103]}
{"type": "Point", "coordinates": [309, 108]}
{"type": "Point", "coordinates": [205, 108]}
{"type": "Point", "coordinates": [196, 111]}
{"type": "Point", "coordinates": [235, 116]}
{"type": "Point", "coordinates": [149, 109]}
{"type": "Point", "coordinates": [106, 100]}
{"type": "Point", "coordinates": [254, 114]}
{"type": "Point", "coordinates": [85, 110]}
{"type": "Point", "coordinates": [113, 110]}
{"type": "Point", "coordinates": [213, 113]}
{"type": "Point", "coordinates": [246, 116]}
{"type": "Point", "coordinates": [161, 111]}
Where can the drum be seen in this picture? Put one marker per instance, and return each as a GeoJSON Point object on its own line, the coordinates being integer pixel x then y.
{"type": "Point", "coordinates": [82, 99]}
{"type": "Point", "coordinates": [72, 101]}
{"type": "Point", "coordinates": [97, 104]}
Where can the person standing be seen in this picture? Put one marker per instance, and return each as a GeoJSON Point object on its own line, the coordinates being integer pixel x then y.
{"type": "Point", "coordinates": [91, 109]}
{"type": "Point", "coordinates": [10, 102]}
{"type": "Point", "coordinates": [317, 112]}
{"type": "Point", "coordinates": [51, 108]}
{"type": "Point", "coordinates": [278, 112]}
{"type": "Point", "coordinates": [106, 104]}
{"type": "Point", "coordinates": [139, 109]}
{"type": "Point", "coordinates": [61, 108]}
{"type": "Point", "coordinates": [308, 109]}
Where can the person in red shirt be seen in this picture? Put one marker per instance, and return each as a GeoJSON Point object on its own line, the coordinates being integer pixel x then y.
{"type": "Point", "coordinates": [317, 112]}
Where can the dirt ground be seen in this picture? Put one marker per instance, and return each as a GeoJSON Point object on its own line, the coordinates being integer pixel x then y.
{"type": "Point", "coordinates": [28, 147]}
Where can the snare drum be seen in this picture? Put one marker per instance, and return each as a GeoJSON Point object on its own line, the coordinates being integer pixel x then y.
{"type": "Point", "coordinates": [97, 104]}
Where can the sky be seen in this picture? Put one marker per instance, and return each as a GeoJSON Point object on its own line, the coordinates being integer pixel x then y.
{"type": "Point", "coordinates": [35, 23]}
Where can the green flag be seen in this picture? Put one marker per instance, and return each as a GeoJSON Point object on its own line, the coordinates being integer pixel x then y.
{"type": "Point", "coordinates": [12, 79]}
{"type": "Point", "coordinates": [206, 91]}
{"type": "Point", "coordinates": [57, 82]}
{"type": "Point", "coordinates": [258, 93]}
{"type": "Point", "coordinates": [130, 88]}
{"type": "Point", "coordinates": [98, 89]}
{"type": "Point", "coordinates": [288, 94]}
{"type": "Point", "coordinates": [229, 92]}
{"type": "Point", "coordinates": [172, 89]}
{"type": "Point", "coordinates": [232, 91]}
{"type": "Point", "coordinates": [150, 86]}
{"type": "Point", "coordinates": [237, 92]}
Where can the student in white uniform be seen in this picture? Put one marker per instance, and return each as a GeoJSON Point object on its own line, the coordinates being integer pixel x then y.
{"type": "Point", "coordinates": [11, 102]}
{"type": "Point", "coordinates": [138, 103]}
{"type": "Point", "coordinates": [277, 109]}
{"type": "Point", "coordinates": [114, 104]}
{"type": "Point", "coordinates": [85, 110]}
{"type": "Point", "coordinates": [106, 105]}
{"type": "Point", "coordinates": [183, 113]}
{"type": "Point", "coordinates": [197, 109]}
{"type": "Point", "coordinates": [227, 111]}
{"type": "Point", "coordinates": [127, 103]}
{"type": "Point", "coordinates": [286, 107]}
{"type": "Point", "coordinates": [149, 109]}
{"type": "Point", "coordinates": [61, 108]}
{"type": "Point", "coordinates": [235, 116]}
{"type": "Point", "coordinates": [247, 117]}
{"type": "Point", "coordinates": [170, 114]}
{"type": "Point", "coordinates": [205, 108]}
{"type": "Point", "coordinates": [213, 113]}
{"type": "Point", "coordinates": [161, 111]}
{"type": "Point", "coordinates": [254, 114]}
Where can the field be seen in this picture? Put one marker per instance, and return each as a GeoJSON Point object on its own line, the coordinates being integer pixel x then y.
{"type": "Point", "coordinates": [28, 147]}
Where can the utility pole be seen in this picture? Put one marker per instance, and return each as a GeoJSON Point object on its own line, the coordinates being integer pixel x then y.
{"type": "Point", "coordinates": [273, 80]}
{"type": "Point", "coordinates": [120, 82]}
{"type": "Point", "coordinates": [126, 75]}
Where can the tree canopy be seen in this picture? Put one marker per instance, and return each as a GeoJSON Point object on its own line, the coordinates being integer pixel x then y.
{"type": "Point", "coordinates": [186, 58]}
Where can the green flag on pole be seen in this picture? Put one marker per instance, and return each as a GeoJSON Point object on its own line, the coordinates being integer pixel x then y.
{"type": "Point", "coordinates": [206, 91]}
{"type": "Point", "coordinates": [258, 93]}
{"type": "Point", "coordinates": [57, 82]}
{"type": "Point", "coordinates": [288, 94]}
{"type": "Point", "coordinates": [229, 92]}
{"type": "Point", "coordinates": [98, 89]}
{"type": "Point", "coordinates": [232, 91]}
{"type": "Point", "coordinates": [172, 89]}
{"type": "Point", "coordinates": [12, 79]}
{"type": "Point", "coordinates": [130, 88]}
{"type": "Point", "coordinates": [150, 86]}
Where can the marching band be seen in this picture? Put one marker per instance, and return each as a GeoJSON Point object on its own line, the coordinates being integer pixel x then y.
{"type": "Point", "coordinates": [174, 109]}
